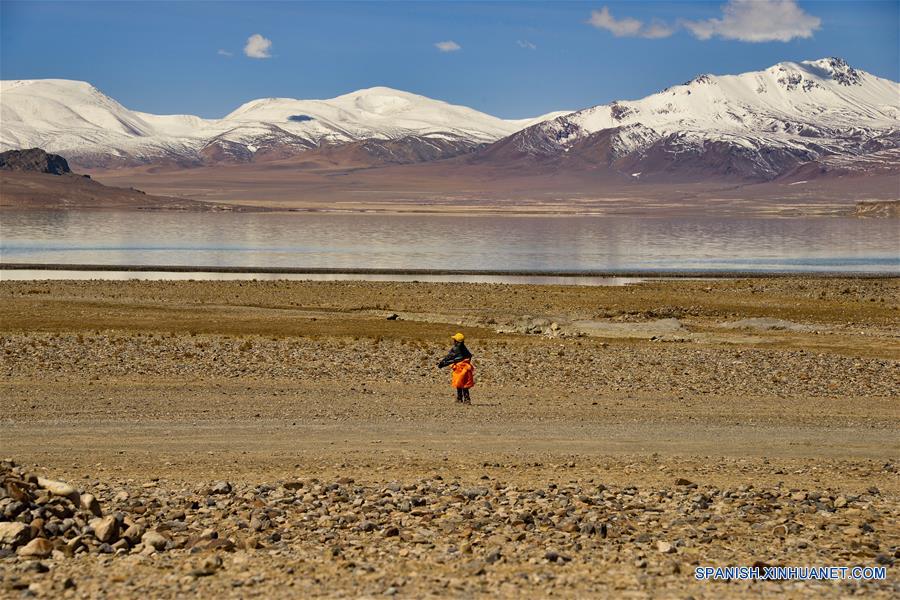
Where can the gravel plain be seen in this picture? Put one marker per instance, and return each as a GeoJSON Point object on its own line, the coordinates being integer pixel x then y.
{"type": "Point", "coordinates": [287, 439]}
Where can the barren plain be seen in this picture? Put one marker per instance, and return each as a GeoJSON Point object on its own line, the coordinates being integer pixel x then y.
{"type": "Point", "coordinates": [289, 439]}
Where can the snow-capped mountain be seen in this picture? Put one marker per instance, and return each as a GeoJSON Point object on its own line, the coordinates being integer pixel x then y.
{"type": "Point", "coordinates": [758, 125]}
{"type": "Point", "coordinates": [795, 120]}
{"type": "Point", "coordinates": [75, 120]}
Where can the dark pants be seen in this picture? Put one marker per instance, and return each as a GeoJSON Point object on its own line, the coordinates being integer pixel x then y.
{"type": "Point", "coordinates": [462, 395]}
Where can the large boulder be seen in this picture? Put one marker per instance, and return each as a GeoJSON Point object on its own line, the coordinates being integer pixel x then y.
{"type": "Point", "coordinates": [13, 535]}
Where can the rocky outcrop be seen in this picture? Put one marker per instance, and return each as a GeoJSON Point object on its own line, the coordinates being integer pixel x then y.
{"type": "Point", "coordinates": [33, 160]}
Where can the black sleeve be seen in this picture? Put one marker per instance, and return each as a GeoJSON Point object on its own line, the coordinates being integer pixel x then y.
{"type": "Point", "coordinates": [447, 360]}
{"type": "Point", "coordinates": [457, 353]}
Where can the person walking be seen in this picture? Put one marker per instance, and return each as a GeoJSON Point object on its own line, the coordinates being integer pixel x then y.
{"type": "Point", "coordinates": [460, 359]}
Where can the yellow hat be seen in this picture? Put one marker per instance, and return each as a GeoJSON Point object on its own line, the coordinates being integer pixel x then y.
{"type": "Point", "coordinates": [458, 337]}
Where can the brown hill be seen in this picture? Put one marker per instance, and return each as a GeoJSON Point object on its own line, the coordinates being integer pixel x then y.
{"type": "Point", "coordinates": [35, 180]}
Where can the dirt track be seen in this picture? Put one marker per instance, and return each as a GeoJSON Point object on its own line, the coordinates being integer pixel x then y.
{"type": "Point", "coordinates": [177, 385]}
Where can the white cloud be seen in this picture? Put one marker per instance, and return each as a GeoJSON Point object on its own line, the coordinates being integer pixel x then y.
{"type": "Point", "coordinates": [628, 27]}
{"type": "Point", "coordinates": [222, 52]}
{"type": "Point", "coordinates": [526, 44]}
{"type": "Point", "coordinates": [258, 46]}
{"type": "Point", "coordinates": [602, 19]}
{"type": "Point", "coordinates": [657, 29]}
{"type": "Point", "coordinates": [448, 46]}
{"type": "Point", "coordinates": [757, 21]}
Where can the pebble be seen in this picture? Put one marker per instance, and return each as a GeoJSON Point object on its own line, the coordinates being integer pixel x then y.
{"type": "Point", "coordinates": [106, 529]}
{"type": "Point", "coordinates": [57, 488]}
{"type": "Point", "coordinates": [155, 540]}
{"type": "Point", "coordinates": [36, 548]}
{"type": "Point", "coordinates": [665, 547]}
{"type": "Point", "coordinates": [221, 488]}
{"type": "Point", "coordinates": [13, 535]}
{"type": "Point", "coordinates": [379, 535]}
{"type": "Point", "coordinates": [89, 503]}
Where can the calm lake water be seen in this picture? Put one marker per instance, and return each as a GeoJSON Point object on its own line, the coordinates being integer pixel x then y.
{"type": "Point", "coordinates": [355, 241]}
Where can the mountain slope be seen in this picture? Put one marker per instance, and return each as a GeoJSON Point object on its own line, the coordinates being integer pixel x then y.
{"type": "Point", "coordinates": [760, 126]}
{"type": "Point", "coordinates": [76, 120]}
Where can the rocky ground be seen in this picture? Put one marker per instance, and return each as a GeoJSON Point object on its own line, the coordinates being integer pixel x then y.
{"type": "Point", "coordinates": [288, 439]}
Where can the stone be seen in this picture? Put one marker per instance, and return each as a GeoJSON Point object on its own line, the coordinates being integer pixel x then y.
{"type": "Point", "coordinates": [90, 503]}
{"type": "Point", "coordinates": [106, 529]}
{"type": "Point", "coordinates": [681, 481]}
{"type": "Point", "coordinates": [36, 548]}
{"type": "Point", "coordinates": [37, 567]}
{"type": "Point", "coordinates": [58, 488]}
{"type": "Point", "coordinates": [41, 589]}
{"type": "Point", "coordinates": [208, 567]}
{"type": "Point", "coordinates": [221, 544]}
{"type": "Point", "coordinates": [473, 493]}
{"type": "Point", "coordinates": [392, 317]}
{"type": "Point", "coordinates": [220, 488]}
{"type": "Point", "coordinates": [665, 547]}
{"type": "Point", "coordinates": [134, 533]}
{"type": "Point", "coordinates": [366, 526]}
{"type": "Point", "coordinates": [13, 535]}
{"type": "Point", "coordinates": [474, 568]}
{"type": "Point", "coordinates": [154, 539]}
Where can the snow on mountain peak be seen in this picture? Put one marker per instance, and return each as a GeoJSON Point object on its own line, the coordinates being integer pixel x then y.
{"type": "Point", "coordinates": [76, 119]}
{"type": "Point", "coordinates": [826, 92]}
{"type": "Point", "coordinates": [837, 69]}
{"type": "Point", "coordinates": [786, 114]}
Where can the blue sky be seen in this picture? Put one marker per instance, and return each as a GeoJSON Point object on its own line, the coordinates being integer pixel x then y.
{"type": "Point", "coordinates": [511, 59]}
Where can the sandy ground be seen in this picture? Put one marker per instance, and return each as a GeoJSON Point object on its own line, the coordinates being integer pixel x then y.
{"type": "Point", "coordinates": [619, 436]}
{"type": "Point", "coordinates": [457, 186]}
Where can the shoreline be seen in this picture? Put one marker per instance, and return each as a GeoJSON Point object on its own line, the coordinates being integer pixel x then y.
{"type": "Point", "coordinates": [607, 273]}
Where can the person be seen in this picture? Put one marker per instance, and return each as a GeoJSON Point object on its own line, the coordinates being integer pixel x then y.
{"type": "Point", "coordinates": [463, 377]}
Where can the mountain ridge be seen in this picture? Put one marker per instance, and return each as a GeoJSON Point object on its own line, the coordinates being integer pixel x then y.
{"type": "Point", "coordinates": [758, 125]}
{"type": "Point", "coordinates": [75, 119]}
{"type": "Point", "coordinates": [791, 121]}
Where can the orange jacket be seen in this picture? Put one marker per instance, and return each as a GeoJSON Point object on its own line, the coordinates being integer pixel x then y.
{"type": "Point", "coordinates": [463, 374]}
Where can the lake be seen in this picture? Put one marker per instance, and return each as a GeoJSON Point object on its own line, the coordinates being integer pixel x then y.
{"type": "Point", "coordinates": [481, 242]}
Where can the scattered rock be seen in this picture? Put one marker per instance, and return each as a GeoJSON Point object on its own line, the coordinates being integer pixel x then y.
{"type": "Point", "coordinates": [36, 548]}
{"type": "Point", "coordinates": [106, 529]}
{"type": "Point", "coordinates": [220, 488]}
{"type": "Point", "coordinates": [58, 488]}
{"type": "Point", "coordinates": [665, 547]}
{"type": "Point", "coordinates": [13, 535]}
{"type": "Point", "coordinates": [155, 540]}
{"type": "Point", "coordinates": [90, 504]}
{"type": "Point", "coordinates": [134, 534]}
